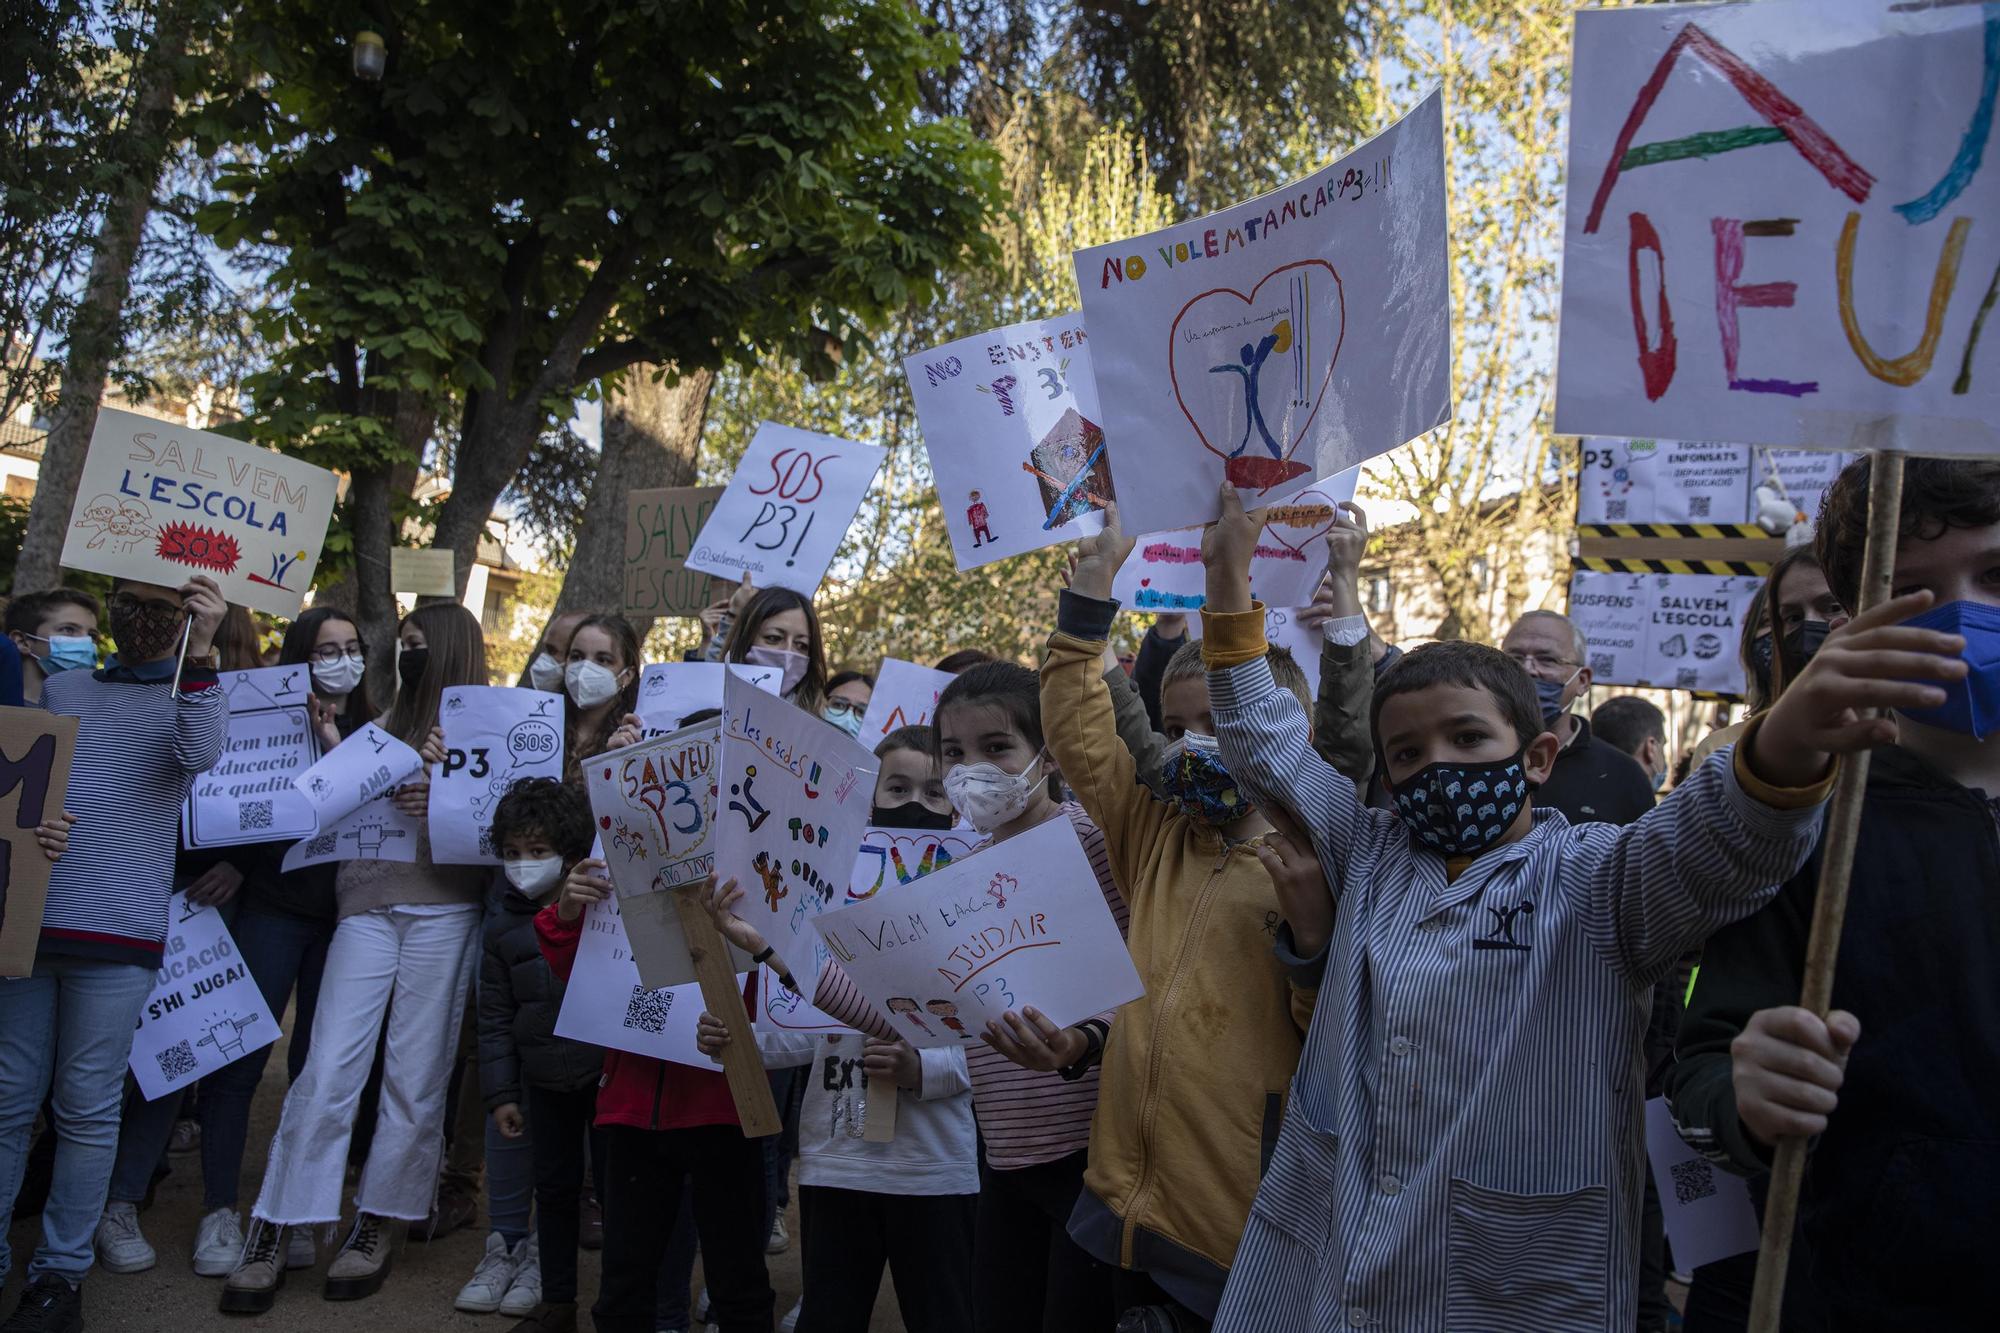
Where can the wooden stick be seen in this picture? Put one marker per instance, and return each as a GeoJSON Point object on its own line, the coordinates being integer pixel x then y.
{"type": "Point", "coordinates": [879, 1126]}
{"type": "Point", "coordinates": [1843, 827]}
{"type": "Point", "coordinates": [721, 996]}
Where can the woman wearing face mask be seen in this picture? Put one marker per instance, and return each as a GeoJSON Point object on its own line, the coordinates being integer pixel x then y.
{"type": "Point", "coordinates": [545, 664]}
{"type": "Point", "coordinates": [601, 685]}
{"type": "Point", "coordinates": [847, 696]}
{"type": "Point", "coordinates": [407, 932]}
{"type": "Point", "coordinates": [778, 627]}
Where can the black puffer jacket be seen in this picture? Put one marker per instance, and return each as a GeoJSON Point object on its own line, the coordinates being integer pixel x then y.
{"type": "Point", "coordinates": [519, 998]}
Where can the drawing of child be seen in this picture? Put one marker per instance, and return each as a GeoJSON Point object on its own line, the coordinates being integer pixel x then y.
{"type": "Point", "coordinates": [905, 1007]}
{"type": "Point", "coordinates": [975, 515]}
{"type": "Point", "coordinates": [947, 1013]}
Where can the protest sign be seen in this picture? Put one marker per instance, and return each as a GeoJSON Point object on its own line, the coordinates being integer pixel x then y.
{"type": "Point", "coordinates": [605, 1003]}
{"type": "Point", "coordinates": [355, 772]}
{"type": "Point", "coordinates": [793, 796]}
{"type": "Point", "coordinates": [783, 514]}
{"type": "Point", "coordinates": [1284, 628]}
{"type": "Point", "coordinates": [904, 695]}
{"type": "Point", "coordinates": [654, 803]}
{"type": "Point", "coordinates": [1011, 424]}
{"type": "Point", "coordinates": [494, 736]}
{"type": "Point", "coordinates": [1020, 923]}
{"type": "Point", "coordinates": [1681, 482]}
{"type": "Point", "coordinates": [1671, 631]}
{"type": "Point", "coordinates": [1165, 573]}
{"type": "Point", "coordinates": [250, 794]}
{"type": "Point", "coordinates": [161, 503]}
{"type": "Point", "coordinates": [1708, 1211]}
{"type": "Point", "coordinates": [1283, 339]}
{"type": "Point", "coordinates": [423, 573]}
{"type": "Point", "coordinates": [206, 1010]}
{"type": "Point", "coordinates": [35, 752]}
{"type": "Point", "coordinates": [670, 691]}
{"type": "Point", "coordinates": [377, 831]}
{"type": "Point", "coordinates": [660, 528]}
{"type": "Point", "coordinates": [1769, 234]}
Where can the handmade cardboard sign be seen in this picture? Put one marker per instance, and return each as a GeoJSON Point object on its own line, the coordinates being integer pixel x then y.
{"type": "Point", "coordinates": [1676, 481]}
{"type": "Point", "coordinates": [1165, 573]}
{"type": "Point", "coordinates": [422, 572]}
{"type": "Point", "coordinates": [654, 803]}
{"type": "Point", "coordinates": [1286, 338]}
{"type": "Point", "coordinates": [905, 695]}
{"type": "Point", "coordinates": [35, 752]}
{"type": "Point", "coordinates": [1020, 923]}
{"type": "Point", "coordinates": [670, 691]}
{"type": "Point", "coordinates": [605, 1003]}
{"type": "Point", "coordinates": [660, 529]}
{"type": "Point", "coordinates": [1011, 423]}
{"type": "Point", "coordinates": [494, 736]}
{"type": "Point", "coordinates": [1708, 1211]}
{"type": "Point", "coordinates": [161, 503]}
{"type": "Point", "coordinates": [783, 514]}
{"type": "Point", "coordinates": [793, 795]}
{"type": "Point", "coordinates": [206, 1010]}
{"type": "Point", "coordinates": [1673, 631]}
{"type": "Point", "coordinates": [1778, 225]}
{"type": "Point", "coordinates": [366, 765]}
{"type": "Point", "coordinates": [251, 795]}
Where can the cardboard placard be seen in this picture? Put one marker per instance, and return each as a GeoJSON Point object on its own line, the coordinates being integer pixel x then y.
{"type": "Point", "coordinates": [494, 736]}
{"type": "Point", "coordinates": [206, 1010]}
{"type": "Point", "coordinates": [422, 572]}
{"type": "Point", "coordinates": [783, 514]}
{"type": "Point", "coordinates": [660, 530]}
{"type": "Point", "coordinates": [36, 748]}
{"type": "Point", "coordinates": [250, 795]}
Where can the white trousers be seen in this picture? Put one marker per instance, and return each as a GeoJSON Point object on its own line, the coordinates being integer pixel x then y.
{"type": "Point", "coordinates": [415, 967]}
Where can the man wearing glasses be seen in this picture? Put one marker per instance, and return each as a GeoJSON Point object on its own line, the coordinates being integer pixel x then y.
{"type": "Point", "coordinates": [1594, 782]}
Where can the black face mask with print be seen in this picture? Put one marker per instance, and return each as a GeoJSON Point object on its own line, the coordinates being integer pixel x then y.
{"type": "Point", "coordinates": [1462, 809]}
{"type": "Point", "coordinates": [144, 631]}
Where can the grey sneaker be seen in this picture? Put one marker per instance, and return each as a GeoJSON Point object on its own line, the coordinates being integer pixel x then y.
{"type": "Point", "coordinates": [218, 1244]}
{"type": "Point", "coordinates": [253, 1287]}
{"type": "Point", "coordinates": [363, 1262]}
{"type": "Point", "coordinates": [487, 1288]}
{"type": "Point", "coordinates": [121, 1246]}
{"type": "Point", "coordinates": [524, 1294]}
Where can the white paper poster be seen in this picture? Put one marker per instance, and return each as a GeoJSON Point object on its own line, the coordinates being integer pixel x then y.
{"type": "Point", "coordinates": [1021, 923]}
{"type": "Point", "coordinates": [1165, 573]}
{"type": "Point", "coordinates": [1011, 423]}
{"type": "Point", "coordinates": [161, 503]}
{"type": "Point", "coordinates": [670, 691]}
{"type": "Point", "coordinates": [905, 695]}
{"type": "Point", "coordinates": [783, 514]}
{"type": "Point", "coordinates": [606, 1005]}
{"type": "Point", "coordinates": [1708, 1211]}
{"type": "Point", "coordinates": [249, 796]}
{"type": "Point", "coordinates": [355, 772]}
{"type": "Point", "coordinates": [1779, 225]}
{"type": "Point", "coordinates": [1671, 631]}
{"type": "Point", "coordinates": [494, 736]}
{"type": "Point", "coordinates": [1283, 628]}
{"type": "Point", "coordinates": [205, 1010]}
{"type": "Point", "coordinates": [1678, 481]}
{"type": "Point", "coordinates": [792, 798]}
{"type": "Point", "coordinates": [378, 831]}
{"type": "Point", "coordinates": [1286, 338]}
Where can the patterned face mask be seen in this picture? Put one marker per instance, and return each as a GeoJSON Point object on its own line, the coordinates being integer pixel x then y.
{"type": "Point", "coordinates": [1462, 809]}
{"type": "Point", "coordinates": [1194, 781]}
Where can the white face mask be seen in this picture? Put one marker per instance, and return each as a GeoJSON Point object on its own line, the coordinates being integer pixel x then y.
{"type": "Point", "coordinates": [545, 673]}
{"type": "Point", "coordinates": [339, 677]}
{"type": "Point", "coordinates": [535, 878]}
{"type": "Point", "coordinates": [988, 795]}
{"type": "Point", "coordinates": [791, 663]}
{"type": "Point", "coordinates": [589, 683]}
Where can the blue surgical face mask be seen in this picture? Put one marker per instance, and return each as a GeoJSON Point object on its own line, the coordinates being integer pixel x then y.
{"type": "Point", "coordinates": [1971, 706]}
{"type": "Point", "coordinates": [67, 654]}
{"type": "Point", "coordinates": [1195, 782]}
{"type": "Point", "coordinates": [842, 714]}
{"type": "Point", "coordinates": [1549, 694]}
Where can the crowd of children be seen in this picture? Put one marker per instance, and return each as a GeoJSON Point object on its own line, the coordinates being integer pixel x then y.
{"type": "Point", "coordinates": [1415, 947]}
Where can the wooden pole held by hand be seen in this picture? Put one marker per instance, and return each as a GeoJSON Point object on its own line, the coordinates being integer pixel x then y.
{"type": "Point", "coordinates": [1843, 826]}
{"type": "Point", "coordinates": [721, 996]}
{"type": "Point", "coordinates": [879, 1125]}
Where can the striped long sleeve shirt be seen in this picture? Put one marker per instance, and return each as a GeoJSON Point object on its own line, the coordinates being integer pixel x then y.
{"type": "Point", "coordinates": [139, 749]}
{"type": "Point", "coordinates": [1026, 1117]}
{"type": "Point", "coordinates": [1463, 1144]}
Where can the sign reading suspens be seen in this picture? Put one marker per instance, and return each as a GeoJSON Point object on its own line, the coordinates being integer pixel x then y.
{"type": "Point", "coordinates": [782, 516]}
{"type": "Point", "coordinates": [161, 503]}
{"type": "Point", "coordinates": [1670, 631]}
{"type": "Point", "coordinates": [1286, 338]}
{"type": "Point", "coordinates": [36, 748]}
{"type": "Point", "coordinates": [1780, 225]}
{"type": "Point", "coordinates": [249, 796]}
{"type": "Point", "coordinates": [660, 528]}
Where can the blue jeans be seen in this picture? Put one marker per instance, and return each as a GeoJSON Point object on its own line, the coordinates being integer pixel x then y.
{"type": "Point", "coordinates": [279, 950]}
{"type": "Point", "coordinates": [510, 1180]}
{"type": "Point", "coordinates": [72, 1019]}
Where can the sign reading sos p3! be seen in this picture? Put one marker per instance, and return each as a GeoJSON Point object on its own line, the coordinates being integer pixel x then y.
{"type": "Point", "coordinates": [161, 503]}
{"type": "Point", "coordinates": [782, 516]}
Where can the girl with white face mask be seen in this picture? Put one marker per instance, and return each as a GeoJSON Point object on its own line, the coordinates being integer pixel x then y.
{"type": "Point", "coordinates": [600, 685]}
{"type": "Point", "coordinates": [545, 668]}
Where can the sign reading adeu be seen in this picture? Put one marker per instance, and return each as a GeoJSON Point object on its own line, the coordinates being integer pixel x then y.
{"type": "Point", "coordinates": [660, 528]}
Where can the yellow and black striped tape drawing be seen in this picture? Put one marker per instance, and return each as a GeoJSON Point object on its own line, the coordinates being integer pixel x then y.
{"type": "Point", "coordinates": [1674, 531]}
{"type": "Point", "coordinates": [1605, 565]}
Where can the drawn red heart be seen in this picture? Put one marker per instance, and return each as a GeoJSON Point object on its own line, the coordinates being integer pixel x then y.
{"type": "Point", "coordinates": [604, 821]}
{"type": "Point", "coordinates": [1312, 496]}
{"type": "Point", "coordinates": [1145, 583]}
{"type": "Point", "coordinates": [1316, 322]}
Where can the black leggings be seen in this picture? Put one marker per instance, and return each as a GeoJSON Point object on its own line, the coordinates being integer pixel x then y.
{"type": "Point", "coordinates": [1027, 1274]}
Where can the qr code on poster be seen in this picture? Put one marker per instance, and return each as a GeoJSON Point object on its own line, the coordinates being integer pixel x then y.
{"type": "Point", "coordinates": [1694, 1180]}
{"type": "Point", "coordinates": [1698, 506]}
{"type": "Point", "coordinates": [1615, 510]}
{"type": "Point", "coordinates": [253, 814]}
{"type": "Point", "coordinates": [177, 1061]}
{"type": "Point", "coordinates": [1602, 664]}
{"type": "Point", "coordinates": [647, 1010]}
{"type": "Point", "coordinates": [1687, 678]}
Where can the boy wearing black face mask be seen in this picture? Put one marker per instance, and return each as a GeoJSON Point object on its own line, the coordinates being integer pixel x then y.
{"type": "Point", "coordinates": [1463, 1145]}
{"type": "Point", "coordinates": [1899, 1083]}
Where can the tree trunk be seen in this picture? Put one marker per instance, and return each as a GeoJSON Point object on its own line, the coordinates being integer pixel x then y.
{"type": "Point", "coordinates": [652, 434]}
{"type": "Point", "coordinates": [372, 514]}
{"type": "Point", "coordinates": [96, 333]}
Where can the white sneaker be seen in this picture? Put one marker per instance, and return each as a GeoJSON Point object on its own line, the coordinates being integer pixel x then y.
{"type": "Point", "coordinates": [488, 1287]}
{"type": "Point", "coordinates": [121, 1246]}
{"type": "Point", "coordinates": [525, 1292]}
{"type": "Point", "coordinates": [791, 1319]}
{"type": "Point", "coordinates": [218, 1244]}
{"type": "Point", "coordinates": [301, 1251]}
{"type": "Point", "coordinates": [781, 1239]}
{"type": "Point", "coordinates": [701, 1307]}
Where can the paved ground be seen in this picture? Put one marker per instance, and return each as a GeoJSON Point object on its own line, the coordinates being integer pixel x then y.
{"type": "Point", "coordinates": [417, 1296]}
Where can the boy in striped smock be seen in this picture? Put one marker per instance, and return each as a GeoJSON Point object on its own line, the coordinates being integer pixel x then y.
{"type": "Point", "coordinates": [1462, 1147]}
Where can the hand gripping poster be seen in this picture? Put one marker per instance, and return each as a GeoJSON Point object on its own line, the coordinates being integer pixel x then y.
{"type": "Point", "coordinates": [1781, 225]}
{"type": "Point", "coordinates": [494, 736]}
{"type": "Point", "coordinates": [352, 794]}
{"type": "Point", "coordinates": [1165, 573]}
{"type": "Point", "coordinates": [1011, 423]}
{"type": "Point", "coordinates": [1286, 338]}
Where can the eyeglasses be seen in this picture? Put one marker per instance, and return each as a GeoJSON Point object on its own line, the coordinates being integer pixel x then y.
{"type": "Point", "coordinates": [1542, 661]}
{"type": "Point", "coordinates": [331, 653]}
{"type": "Point", "coordinates": [846, 706]}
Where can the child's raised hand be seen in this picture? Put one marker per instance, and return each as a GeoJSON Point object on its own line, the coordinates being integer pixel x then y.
{"type": "Point", "coordinates": [1347, 541]}
{"type": "Point", "coordinates": [1100, 556]}
{"type": "Point", "coordinates": [53, 834]}
{"type": "Point", "coordinates": [1031, 1041]}
{"type": "Point", "coordinates": [588, 883]}
{"type": "Point", "coordinates": [1287, 855]}
{"type": "Point", "coordinates": [433, 751]}
{"type": "Point", "coordinates": [721, 900]}
{"type": "Point", "coordinates": [1786, 1067]}
{"type": "Point", "coordinates": [507, 1118]}
{"type": "Point", "coordinates": [711, 1034]}
{"type": "Point", "coordinates": [1226, 547]}
{"type": "Point", "coordinates": [1874, 661]}
{"type": "Point", "coordinates": [893, 1059]}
